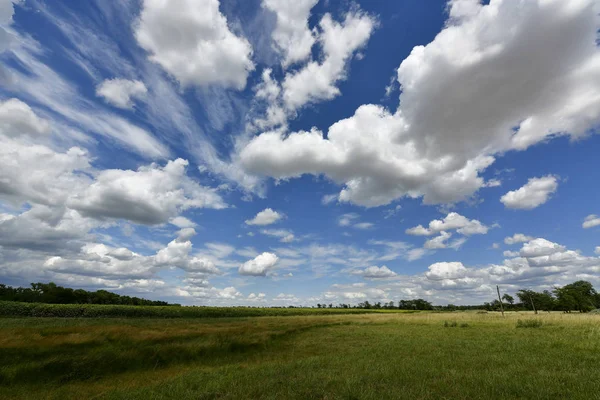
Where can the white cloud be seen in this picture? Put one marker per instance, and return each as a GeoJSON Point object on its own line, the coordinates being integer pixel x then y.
{"type": "Point", "coordinates": [510, 254]}
{"type": "Point", "coordinates": [120, 92]}
{"type": "Point", "coordinates": [517, 238]}
{"type": "Point", "coordinates": [256, 297]}
{"type": "Point", "coordinates": [364, 225]}
{"type": "Point", "coordinates": [375, 272]}
{"type": "Point", "coordinates": [286, 298]}
{"type": "Point", "coordinates": [39, 84]}
{"type": "Point", "coordinates": [6, 15]}
{"type": "Point", "coordinates": [493, 183]}
{"type": "Point", "coordinates": [505, 53]}
{"type": "Point", "coordinates": [190, 39]}
{"type": "Point", "coordinates": [392, 212]}
{"type": "Point", "coordinates": [260, 265]}
{"type": "Point", "coordinates": [45, 229]}
{"type": "Point", "coordinates": [31, 172]}
{"type": "Point", "coordinates": [329, 198]}
{"type": "Point", "coordinates": [182, 222]}
{"type": "Point", "coordinates": [284, 235]}
{"type": "Point", "coordinates": [591, 221]}
{"type": "Point", "coordinates": [347, 219]}
{"type": "Point", "coordinates": [597, 250]}
{"type": "Point", "coordinates": [316, 81]}
{"type": "Point", "coordinates": [540, 247]}
{"type": "Point", "coordinates": [536, 192]}
{"type": "Point", "coordinates": [150, 195]}
{"type": "Point", "coordinates": [265, 217]}
{"type": "Point", "coordinates": [446, 270]}
{"type": "Point", "coordinates": [416, 254]}
{"type": "Point", "coordinates": [438, 242]}
{"type": "Point", "coordinates": [292, 36]}
{"type": "Point", "coordinates": [177, 254]}
{"type": "Point", "coordinates": [451, 222]}
{"type": "Point", "coordinates": [18, 119]}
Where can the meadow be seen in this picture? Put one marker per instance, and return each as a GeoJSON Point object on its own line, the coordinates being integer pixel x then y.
{"type": "Point", "coordinates": [389, 355]}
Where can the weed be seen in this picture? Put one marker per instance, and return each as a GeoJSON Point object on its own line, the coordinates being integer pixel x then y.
{"type": "Point", "coordinates": [529, 323]}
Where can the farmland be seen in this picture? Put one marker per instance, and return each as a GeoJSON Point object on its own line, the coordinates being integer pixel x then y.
{"type": "Point", "coordinates": [387, 355]}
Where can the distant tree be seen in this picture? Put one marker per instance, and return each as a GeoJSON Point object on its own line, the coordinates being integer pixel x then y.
{"type": "Point", "coordinates": [509, 299]}
{"type": "Point", "coordinates": [579, 296]}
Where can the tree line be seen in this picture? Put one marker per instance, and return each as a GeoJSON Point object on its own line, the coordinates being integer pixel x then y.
{"type": "Point", "coordinates": [577, 296]}
{"type": "Point", "coordinates": [417, 304]}
{"type": "Point", "coordinates": [50, 293]}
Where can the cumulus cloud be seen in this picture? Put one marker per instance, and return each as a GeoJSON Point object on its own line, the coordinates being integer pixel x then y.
{"type": "Point", "coordinates": [103, 261]}
{"type": "Point", "coordinates": [190, 39]}
{"type": "Point", "coordinates": [121, 92]}
{"type": "Point", "coordinates": [591, 221]}
{"type": "Point", "coordinates": [34, 172]}
{"type": "Point", "coordinates": [375, 272]}
{"type": "Point", "coordinates": [260, 265]}
{"type": "Point", "coordinates": [533, 194]}
{"type": "Point", "coordinates": [316, 81]}
{"type": "Point", "coordinates": [265, 217]}
{"type": "Point", "coordinates": [256, 297]}
{"type": "Point", "coordinates": [517, 238]}
{"type": "Point", "coordinates": [182, 222]}
{"type": "Point", "coordinates": [446, 270]}
{"type": "Point", "coordinates": [292, 36]}
{"type": "Point", "coordinates": [505, 53]}
{"type": "Point", "coordinates": [18, 119]}
{"type": "Point", "coordinates": [44, 229]}
{"type": "Point", "coordinates": [151, 195]}
{"type": "Point", "coordinates": [95, 259]}
{"type": "Point", "coordinates": [453, 221]}
{"type": "Point", "coordinates": [540, 247]}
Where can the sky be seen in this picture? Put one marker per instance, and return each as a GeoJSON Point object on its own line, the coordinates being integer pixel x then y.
{"type": "Point", "coordinates": [277, 152]}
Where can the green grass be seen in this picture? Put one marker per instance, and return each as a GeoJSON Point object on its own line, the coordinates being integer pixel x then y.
{"type": "Point", "coordinates": [369, 356]}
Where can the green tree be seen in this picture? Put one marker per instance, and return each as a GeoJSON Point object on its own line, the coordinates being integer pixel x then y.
{"type": "Point", "coordinates": [579, 296]}
{"type": "Point", "coordinates": [509, 299]}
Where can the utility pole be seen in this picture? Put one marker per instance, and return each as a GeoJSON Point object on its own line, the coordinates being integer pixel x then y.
{"type": "Point", "coordinates": [500, 300]}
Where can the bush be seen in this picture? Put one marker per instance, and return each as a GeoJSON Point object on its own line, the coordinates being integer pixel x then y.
{"type": "Point", "coordinates": [464, 325]}
{"type": "Point", "coordinates": [529, 323]}
{"type": "Point", "coordinates": [452, 324]}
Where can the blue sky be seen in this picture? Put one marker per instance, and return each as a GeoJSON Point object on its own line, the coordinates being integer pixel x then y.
{"type": "Point", "coordinates": [269, 152]}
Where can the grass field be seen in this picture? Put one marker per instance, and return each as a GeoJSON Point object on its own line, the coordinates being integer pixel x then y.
{"type": "Point", "coordinates": [368, 356]}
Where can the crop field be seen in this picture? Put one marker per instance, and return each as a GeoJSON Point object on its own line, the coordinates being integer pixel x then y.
{"type": "Point", "coordinates": [17, 309]}
{"type": "Point", "coordinates": [392, 355]}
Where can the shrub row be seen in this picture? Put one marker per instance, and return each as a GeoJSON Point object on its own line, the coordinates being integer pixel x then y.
{"type": "Point", "coordinates": [16, 309]}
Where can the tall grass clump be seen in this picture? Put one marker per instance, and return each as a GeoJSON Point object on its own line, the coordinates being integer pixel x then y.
{"type": "Point", "coordinates": [529, 323]}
